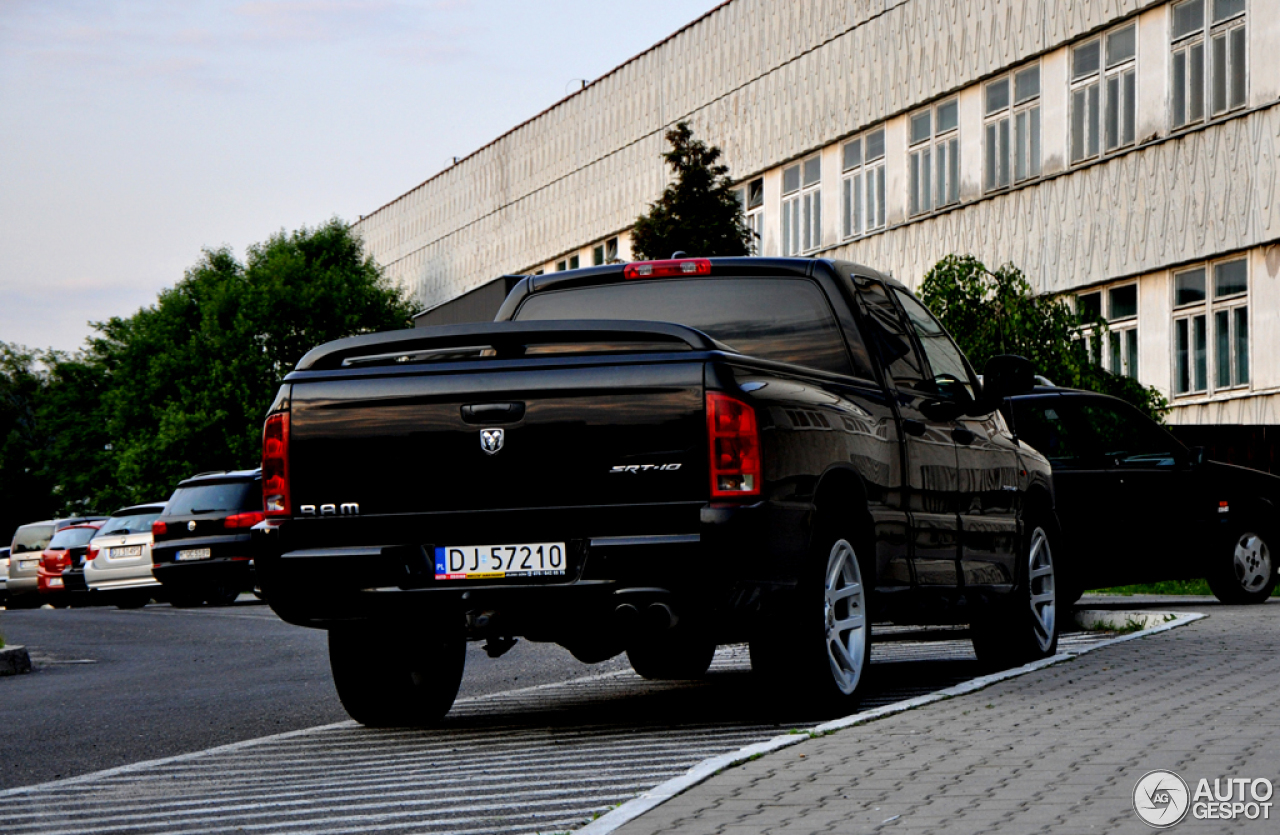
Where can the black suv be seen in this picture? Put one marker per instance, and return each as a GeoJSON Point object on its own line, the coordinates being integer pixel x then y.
{"type": "Point", "coordinates": [201, 551]}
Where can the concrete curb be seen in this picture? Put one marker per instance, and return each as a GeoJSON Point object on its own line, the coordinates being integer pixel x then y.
{"type": "Point", "coordinates": [663, 792]}
{"type": "Point", "coordinates": [14, 661]}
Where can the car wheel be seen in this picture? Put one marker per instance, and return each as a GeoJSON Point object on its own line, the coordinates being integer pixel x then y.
{"type": "Point", "coordinates": [384, 684]}
{"type": "Point", "coordinates": [1024, 627]}
{"type": "Point", "coordinates": [135, 600]}
{"type": "Point", "coordinates": [222, 595]}
{"type": "Point", "coordinates": [1244, 571]}
{"type": "Point", "coordinates": [675, 654]}
{"type": "Point", "coordinates": [822, 651]}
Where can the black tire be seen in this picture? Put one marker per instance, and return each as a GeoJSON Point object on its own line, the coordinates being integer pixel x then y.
{"type": "Point", "coordinates": [1243, 570]}
{"type": "Point", "coordinates": [185, 599]}
{"type": "Point", "coordinates": [818, 653]}
{"type": "Point", "coordinates": [1024, 626]}
{"type": "Point", "coordinates": [384, 685]}
{"type": "Point", "coordinates": [133, 600]}
{"type": "Point", "coordinates": [674, 655]}
{"type": "Point", "coordinates": [222, 595]}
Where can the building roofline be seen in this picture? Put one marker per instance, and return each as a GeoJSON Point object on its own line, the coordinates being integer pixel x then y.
{"type": "Point", "coordinates": [552, 107]}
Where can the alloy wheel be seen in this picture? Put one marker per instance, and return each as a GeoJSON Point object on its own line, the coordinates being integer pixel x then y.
{"type": "Point", "coordinates": [845, 615]}
{"type": "Point", "coordinates": [1252, 561]}
{"type": "Point", "coordinates": [1040, 580]}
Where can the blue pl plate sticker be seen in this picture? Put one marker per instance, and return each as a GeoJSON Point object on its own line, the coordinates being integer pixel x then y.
{"type": "Point", "coordinates": [441, 566]}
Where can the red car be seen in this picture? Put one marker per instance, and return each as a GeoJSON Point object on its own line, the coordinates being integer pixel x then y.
{"type": "Point", "coordinates": [66, 550]}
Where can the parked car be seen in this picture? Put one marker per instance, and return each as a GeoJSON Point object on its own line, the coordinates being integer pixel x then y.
{"type": "Point", "coordinates": [4, 575]}
{"type": "Point", "coordinates": [780, 451]}
{"type": "Point", "coordinates": [24, 558]}
{"type": "Point", "coordinates": [1137, 506]}
{"type": "Point", "coordinates": [119, 558]}
{"type": "Point", "coordinates": [61, 569]}
{"type": "Point", "coordinates": [201, 548]}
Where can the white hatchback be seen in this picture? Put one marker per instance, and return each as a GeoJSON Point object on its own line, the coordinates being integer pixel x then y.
{"type": "Point", "coordinates": [119, 558]}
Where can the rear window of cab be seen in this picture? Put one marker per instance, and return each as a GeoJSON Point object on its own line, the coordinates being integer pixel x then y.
{"type": "Point", "coordinates": [782, 319]}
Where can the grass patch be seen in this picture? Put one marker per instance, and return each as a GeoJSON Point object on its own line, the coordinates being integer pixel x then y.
{"type": "Point", "coordinates": [1166, 587]}
{"type": "Point", "coordinates": [1, 642]}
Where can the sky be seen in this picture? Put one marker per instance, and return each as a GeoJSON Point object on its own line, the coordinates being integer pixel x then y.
{"type": "Point", "coordinates": [135, 133]}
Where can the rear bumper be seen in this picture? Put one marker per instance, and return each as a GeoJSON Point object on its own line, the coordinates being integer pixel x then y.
{"type": "Point", "coordinates": [706, 558]}
{"type": "Point", "coordinates": [205, 574]}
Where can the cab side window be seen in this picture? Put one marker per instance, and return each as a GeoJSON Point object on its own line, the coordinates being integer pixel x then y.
{"type": "Point", "coordinates": [950, 372]}
{"type": "Point", "coordinates": [1041, 424]}
{"type": "Point", "coordinates": [1126, 438]}
{"type": "Point", "coordinates": [884, 328]}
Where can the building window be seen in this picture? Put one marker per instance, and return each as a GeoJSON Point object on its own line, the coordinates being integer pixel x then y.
{"type": "Point", "coordinates": [1217, 78]}
{"type": "Point", "coordinates": [605, 253]}
{"type": "Point", "coordinates": [862, 189]}
{"type": "Point", "coordinates": [934, 161]}
{"type": "Point", "coordinates": [1104, 90]}
{"type": "Point", "coordinates": [570, 263]}
{"type": "Point", "coordinates": [1122, 333]}
{"type": "Point", "coordinates": [1211, 327]}
{"type": "Point", "coordinates": [802, 207]}
{"type": "Point", "coordinates": [1013, 128]}
{"type": "Point", "coordinates": [751, 196]}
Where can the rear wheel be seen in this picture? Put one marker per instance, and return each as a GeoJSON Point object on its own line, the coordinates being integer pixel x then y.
{"type": "Point", "coordinates": [383, 685]}
{"type": "Point", "coordinates": [1244, 570]}
{"type": "Point", "coordinates": [822, 652]}
{"type": "Point", "coordinates": [222, 595]}
{"type": "Point", "coordinates": [675, 654]}
{"type": "Point", "coordinates": [133, 600]}
{"type": "Point", "coordinates": [1024, 627]}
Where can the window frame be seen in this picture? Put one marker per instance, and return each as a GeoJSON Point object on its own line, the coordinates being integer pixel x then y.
{"type": "Point", "coordinates": [801, 221]}
{"type": "Point", "coordinates": [862, 212]}
{"type": "Point", "coordinates": [925, 150]}
{"type": "Point", "coordinates": [1007, 151]}
{"type": "Point", "coordinates": [1120, 354]}
{"type": "Point", "coordinates": [1236, 309]}
{"type": "Point", "coordinates": [1183, 87]}
{"type": "Point", "coordinates": [1095, 129]}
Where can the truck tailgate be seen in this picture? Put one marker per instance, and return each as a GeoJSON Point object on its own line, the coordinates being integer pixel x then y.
{"type": "Point", "coordinates": [594, 434]}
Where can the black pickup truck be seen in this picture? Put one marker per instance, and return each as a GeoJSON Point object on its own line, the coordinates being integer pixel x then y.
{"type": "Point", "coordinates": [655, 458]}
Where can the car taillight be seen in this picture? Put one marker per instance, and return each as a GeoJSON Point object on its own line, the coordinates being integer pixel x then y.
{"type": "Point", "coordinates": [244, 520]}
{"type": "Point", "coordinates": [659, 269]}
{"type": "Point", "coordinates": [90, 555]}
{"type": "Point", "coordinates": [275, 466]}
{"type": "Point", "coordinates": [733, 437]}
{"type": "Point", "coordinates": [159, 529]}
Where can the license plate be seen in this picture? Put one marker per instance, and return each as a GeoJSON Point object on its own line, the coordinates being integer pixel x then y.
{"type": "Point", "coordinates": [195, 554]}
{"type": "Point", "coordinates": [126, 551]}
{"type": "Point", "coordinates": [28, 564]}
{"type": "Point", "coordinates": [495, 562]}
{"type": "Point", "coordinates": [55, 581]}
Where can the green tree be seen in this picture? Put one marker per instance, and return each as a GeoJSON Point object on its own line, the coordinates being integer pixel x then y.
{"type": "Point", "coordinates": [698, 212]}
{"type": "Point", "coordinates": [26, 493]}
{"type": "Point", "coordinates": [182, 386]}
{"type": "Point", "coordinates": [992, 313]}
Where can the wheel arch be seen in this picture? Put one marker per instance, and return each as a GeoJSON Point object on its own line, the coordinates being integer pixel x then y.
{"type": "Point", "coordinates": [841, 486]}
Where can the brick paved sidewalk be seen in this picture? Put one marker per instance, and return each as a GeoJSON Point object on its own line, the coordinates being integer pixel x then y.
{"type": "Point", "coordinates": [1057, 750]}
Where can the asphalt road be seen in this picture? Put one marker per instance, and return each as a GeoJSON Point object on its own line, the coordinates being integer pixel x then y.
{"type": "Point", "coordinates": [113, 687]}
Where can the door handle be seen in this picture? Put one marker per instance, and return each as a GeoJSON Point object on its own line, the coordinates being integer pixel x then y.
{"type": "Point", "coordinates": [913, 427]}
{"type": "Point", "coordinates": [492, 412]}
{"type": "Point", "coordinates": [962, 436]}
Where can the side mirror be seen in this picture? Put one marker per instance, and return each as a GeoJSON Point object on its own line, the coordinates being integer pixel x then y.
{"type": "Point", "coordinates": [1007, 375]}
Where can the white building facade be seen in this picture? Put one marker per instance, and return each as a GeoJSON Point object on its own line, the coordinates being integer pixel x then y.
{"type": "Point", "coordinates": [1120, 151]}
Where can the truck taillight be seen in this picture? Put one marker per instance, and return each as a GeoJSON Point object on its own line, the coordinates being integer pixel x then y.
{"type": "Point", "coordinates": [733, 437]}
{"type": "Point", "coordinates": [275, 466]}
{"type": "Point", "coordinates": [243, 520]}
{"type": "Point", "coordinates": [159, 529]}
{"type": "Point", "coordinates": [661, 269]}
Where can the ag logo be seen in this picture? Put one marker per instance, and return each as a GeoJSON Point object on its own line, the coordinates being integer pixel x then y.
{"type": "Point", "coordinates": [491, 440]}
{"type": "Point", "coordinates": [1161, 799]}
